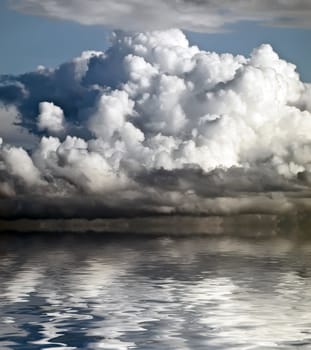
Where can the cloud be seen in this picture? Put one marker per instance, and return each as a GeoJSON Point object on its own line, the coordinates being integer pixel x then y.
{"type": "Point", "coordinates": [196, 15]}
{"type": "Point", "coordinates": [20, 165]}
{"type": "Point", "coordinates": [156, 126]}
{"type": "Point", "coordinates": [51, 118]}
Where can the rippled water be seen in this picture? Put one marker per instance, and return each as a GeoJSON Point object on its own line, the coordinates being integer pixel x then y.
{"type": "Point", "coordinates": [91, 291]}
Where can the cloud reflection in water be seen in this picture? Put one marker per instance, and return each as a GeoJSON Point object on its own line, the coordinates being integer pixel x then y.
{"type": "Point", "coordinates": [92, 292]}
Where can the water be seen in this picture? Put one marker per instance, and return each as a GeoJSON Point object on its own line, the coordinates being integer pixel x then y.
{"type": "Point", "coordinates": [88, 291]}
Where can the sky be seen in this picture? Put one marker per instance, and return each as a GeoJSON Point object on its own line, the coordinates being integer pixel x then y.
{"type": "Point", "coordinates": [135, 108]}
{"type": "Point", "coordinates": [29, 41]}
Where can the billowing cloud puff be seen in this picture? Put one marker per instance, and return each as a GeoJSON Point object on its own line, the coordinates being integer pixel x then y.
{"type": "Point", "coordinates": [20, 165]}
{"type": "Point", "coordinates": [51, 118]}
{"type": "Point", "coordinates": [154, 125]}
{"type": "Point", "coordinates": [197, 15]}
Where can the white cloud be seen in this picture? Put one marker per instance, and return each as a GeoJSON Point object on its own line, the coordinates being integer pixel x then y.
{"type": "Point", "coordinates": [20, 165]}
{"type": "Point", "coordinates": [171, 128]}
{"type": "Point", "coordinates": [51, 118]}
{"type": "Point", "coordinates": [112, 111]}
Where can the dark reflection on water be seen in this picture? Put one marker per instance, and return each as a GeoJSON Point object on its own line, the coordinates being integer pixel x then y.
{"type": "Point", "coordinates": [88, 291]}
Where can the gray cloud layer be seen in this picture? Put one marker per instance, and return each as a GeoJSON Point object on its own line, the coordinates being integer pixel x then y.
{"type": "Point", "coordinates": [197, 15]}
{"type": "Point", "coordinates": [155, 126]}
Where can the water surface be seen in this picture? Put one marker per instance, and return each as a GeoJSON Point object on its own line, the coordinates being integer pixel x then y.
{"type": "Point", "coordinates": [92, 291]}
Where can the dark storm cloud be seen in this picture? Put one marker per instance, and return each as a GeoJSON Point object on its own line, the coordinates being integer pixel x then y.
{"type": "Point", "coordinates": [222, 182]}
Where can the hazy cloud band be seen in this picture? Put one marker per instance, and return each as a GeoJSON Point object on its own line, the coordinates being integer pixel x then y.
{"type": "Point", "coordinates": [196, 15]}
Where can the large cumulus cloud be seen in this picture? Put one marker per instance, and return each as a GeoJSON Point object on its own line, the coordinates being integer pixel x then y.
{"type": "Point", "coordinates": [154, 125]}
{"type": "Point", "coordinates": [197, 15]}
